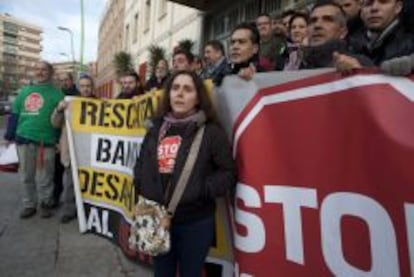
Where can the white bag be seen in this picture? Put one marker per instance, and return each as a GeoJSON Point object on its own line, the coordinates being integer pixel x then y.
{"type": "Point", "coordinates": [8, 154]}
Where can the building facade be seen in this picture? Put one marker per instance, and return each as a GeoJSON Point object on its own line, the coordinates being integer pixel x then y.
{"type": "Point", "coordinates": [19, 51]}
{"type": "Point", "coordinates": [110, 40]}
{"type": "Point", "coordinates": [66, 67]}
{"type": "Point", "coordinates": [165, 23]}
{"type": "Point", "coordinates": [92, 69]}
{"type": "Point", "coordinates": [161, 23]}
{"type": "Point", "coordinates": [222, 16]}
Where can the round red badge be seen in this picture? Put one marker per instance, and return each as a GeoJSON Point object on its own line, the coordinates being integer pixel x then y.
{"type": "Point", "coordinates": [33, 102]}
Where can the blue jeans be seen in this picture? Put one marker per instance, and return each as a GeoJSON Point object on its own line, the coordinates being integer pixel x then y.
{"type": "Point", "coordinates": [190, 244]}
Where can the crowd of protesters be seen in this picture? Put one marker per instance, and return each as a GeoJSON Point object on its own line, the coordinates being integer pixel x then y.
{"type": "Point", "coordinates": [345, 34]}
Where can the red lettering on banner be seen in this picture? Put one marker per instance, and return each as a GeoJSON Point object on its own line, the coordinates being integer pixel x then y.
{"type": "Point", "coordinates": [343, 148]}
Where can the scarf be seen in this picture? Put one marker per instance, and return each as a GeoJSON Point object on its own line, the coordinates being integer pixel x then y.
{"type": "Point", "coordinates": [376, 39]}
{"type": "Point", "coordinates": [322, 55]}
{"type": "Point", "coordinates": [198, 118]}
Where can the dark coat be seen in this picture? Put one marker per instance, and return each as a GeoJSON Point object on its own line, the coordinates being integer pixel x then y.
{"type": "Point", "coordinates": [125, 95]}
{"type": "Point", "coordinates": [233, 68]}
{"type": "Point", "coordinates": [213, 175]}
{"type": "Point", "coordinates": [73, 91]}
{"type": "Point", "coordinates": [153, 83]}
{"type": "Point", "coordinates": [322, 56]}
{"type": "Point", "coordinates": [217, 74]}
{"type": "Point", "coordinates": [355, 28]}
{"type": "Point", "coordinates": [391, 43]}
{"type": "Point", "coordinates": [407, 15]}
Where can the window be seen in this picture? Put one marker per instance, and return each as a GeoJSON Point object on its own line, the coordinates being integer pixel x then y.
{"type": "Point", "coordinates": [119, 48]}
{"type": "Point", "coordinates": [9, 58]}
{"type": "Point", "coordinates": [233, 19]}
{"type": "Point", "coordinates": [135, 29]}
{"type": "Point", "coordinates": [10, 40]}
{"type": "Point", "coordinates": [218, 25]}
{"type": "Point", "coordinates": [10, 28]}
{"type": "Point", "coordinates": [272, 6]}
{"type": "Point", "coordinates": [147, 15]}
{"type": "Point", "coordinates": [252, 9]}
{"type": "Point", "coordinates": [126, 37]}
{"type": "Point", "coordinates": [162, 10]}
{"type": "Point", "coordinates": [10, 49]}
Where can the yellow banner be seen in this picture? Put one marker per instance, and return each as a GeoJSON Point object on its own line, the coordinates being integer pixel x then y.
{"type": "Point", "coordinates": [112, 188]}
{"type": "Point", "coordinates": [116, 117]}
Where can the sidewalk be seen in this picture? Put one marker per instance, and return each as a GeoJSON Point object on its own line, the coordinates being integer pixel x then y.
{"type": "Point", "coordinates": [45, 247]}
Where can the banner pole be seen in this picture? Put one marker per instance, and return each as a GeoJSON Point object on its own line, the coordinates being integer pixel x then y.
{"type": "Point", "coordinates": [74, 167]}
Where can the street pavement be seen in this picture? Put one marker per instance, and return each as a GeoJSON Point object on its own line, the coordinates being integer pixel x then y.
{"type": "Point", "coordinates": [46, 247]}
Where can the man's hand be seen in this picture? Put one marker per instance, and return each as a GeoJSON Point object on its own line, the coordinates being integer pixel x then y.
{"type": "Point", "coordinates": [400, 66]}
{"type": "Point", "coordinates": [344, 63]}
{"type": "Point", "coordinates": [247, 73]}
{"type": "Point", "coordinates": [62, 106]}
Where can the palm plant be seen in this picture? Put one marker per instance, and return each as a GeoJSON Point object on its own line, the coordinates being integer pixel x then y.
{"type": "Point", "coordinates": [122, 63]}
{"type": "Point", "coordinates": [156, 53]}
{"type": "Point", "coordinates": [186, 45]}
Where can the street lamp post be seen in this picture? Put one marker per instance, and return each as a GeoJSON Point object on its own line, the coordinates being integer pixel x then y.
{"type": "Point", "coordinates": [64, 54]}
{"type": "Point", "coordinates": [71, 42]}
{"type": "Point", "coordinates": [82, 35]}
{"type": "Point", "coordinates": [72, 68]}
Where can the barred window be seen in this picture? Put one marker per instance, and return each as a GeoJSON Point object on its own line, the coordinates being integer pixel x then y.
{"type": "Point", "coordinates": [233, 19]}
{"type": "Point", "coordinates": [135, 29]}
{"type": "Point", "coordinates": [272, 6]}
{"type": "Point", "coordinates": [219, 25]}
{"type": "Point", "coordinates": [252, 10]}
{"type": "Point", "coordinates": [147, 15]}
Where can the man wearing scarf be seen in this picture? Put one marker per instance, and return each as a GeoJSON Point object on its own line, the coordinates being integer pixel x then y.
{"type": "Point", "coordinates": [385, 37]}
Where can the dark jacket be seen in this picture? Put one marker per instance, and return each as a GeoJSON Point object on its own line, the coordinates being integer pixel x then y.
{"type": "Point", "coordinates": [11, 128]}
{"type": "Point", "coordinates": [153, 83]}
{"type": "Point", "coordinates": [407, 15]}
{"type": "Point", "coordinates": [233, 68]}
{"type": "Point", "coordinates": [217, 73]}
{"type": "Point", "coordinates": [125, 95]}
{"type": "Point", "coordinates": [393, 42]}
{"type": "Point", "coordinates": [322, 56]}
{"type": "Point", "coordinates": [355, 27]}
{"type": "Point", "coordinates": [73, 91]}
{"type": "Point", "coordinates": [213, 174]}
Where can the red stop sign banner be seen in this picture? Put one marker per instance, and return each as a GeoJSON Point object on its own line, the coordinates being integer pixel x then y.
{"type": "Point", "coordinates": [326, 178]}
